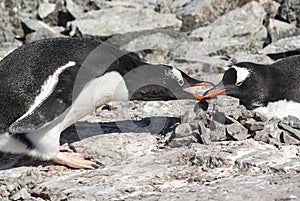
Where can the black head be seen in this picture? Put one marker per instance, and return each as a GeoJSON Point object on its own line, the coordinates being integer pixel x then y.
{"type": "Point", "coordinates": [159, 82]}
{"type": "Point", "coordinates": [240, 81]}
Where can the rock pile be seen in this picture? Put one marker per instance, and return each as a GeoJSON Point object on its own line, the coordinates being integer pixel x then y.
{"type": "Point", "coordinates": [226, 120]}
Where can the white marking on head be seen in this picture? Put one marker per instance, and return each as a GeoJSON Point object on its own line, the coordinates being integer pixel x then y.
{"type": "Point", "coordinates": [47, 88]}
{"type": "Point", "coordinates": [280, 109]}
{"type": "Point", "coordinates": [241, 74]}
{"type": "Point", "coordinates": [176, 74]}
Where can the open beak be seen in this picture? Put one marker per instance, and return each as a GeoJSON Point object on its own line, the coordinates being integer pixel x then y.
{"type": "Point", "coordinates": [216, 90]}
{"type": "Point", "coordinates": [200, 84]}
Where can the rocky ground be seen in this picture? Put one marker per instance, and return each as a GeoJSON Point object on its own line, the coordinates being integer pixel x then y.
{"type": "Point", "coordinates": [166, 150]}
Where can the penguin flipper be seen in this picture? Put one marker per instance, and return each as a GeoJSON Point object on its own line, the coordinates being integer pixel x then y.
{"type": "Point", "coordinates": [40, 117]}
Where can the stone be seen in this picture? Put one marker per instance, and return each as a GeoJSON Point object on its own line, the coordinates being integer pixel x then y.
{"type": "Point", "coordinates": [183, 130]}
{"type": "Point", "coordinates": [165, 40]}
{"type": "Point", "coordinates": [217, 132]}
{"type": "Point", "coordinates": [38, 30]}
{"type": "Point", "coordinates": [289, 11]}
{"type": "Point", "coordinates": [260, 117]}
{"type": "Point", "coordinates": [237, 131]}
{"type": "Point", "coordinates": [262, 136]}
{"type": "Point", "coordinates": [188, 116]}
{"type": "Point", "coordinates": [182, 142]}
{"type": "Point", "coordinates": [196, 14]}
{"type": "Point", "coordinates": [3, 191]}
{"type": "Point", "coordinates": [255, 58]}
{"type": "Point", "coordinates": [285, 45]}
{"type": "Point", "coordinates": [245, 32]}
{"type": "Point", "coordinates": [6, 34]}
{"type": "Point", "coordinates": [22, 194]}
{"type": "Point", "coordinates": [95, 23]}
{"type": "Point", "coordinates": [253, 125]}
{"type": "Point", "coordinates": [138, 4]}
{"type": "Point", "coordinates": [203, 63]}
{"type": "Point", "coordinates": [289, 139]}
{"type": "Point", "coordinates": [46, 9]}
{"type": "Point", "coordinates": [75, 10]}
{"type": "Point", "coordinates": [204, 134]}
{"type": "Point", "coordinates": [271, 8]}
{"type": "Point", "coordinates": [278, 30]}
{"type": "Point", "coordinates": [293, 132]}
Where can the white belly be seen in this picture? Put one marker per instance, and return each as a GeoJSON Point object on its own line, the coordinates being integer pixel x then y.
{"type": "Point", "coordinates": [280, 109]}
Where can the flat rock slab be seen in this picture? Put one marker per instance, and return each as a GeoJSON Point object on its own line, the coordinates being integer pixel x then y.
{"type": "Point", "coordinates": [137, 167]}
{"type": "Point", "coordinates": [120, 20]}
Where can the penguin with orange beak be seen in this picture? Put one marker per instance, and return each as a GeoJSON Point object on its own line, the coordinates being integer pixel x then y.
{"type": "Point", "coordinates": [272, 90]}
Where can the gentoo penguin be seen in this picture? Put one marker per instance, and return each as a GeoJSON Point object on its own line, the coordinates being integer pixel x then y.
{"type": "Point", "coordinates": [48, 85]}
{"type": "Point", "coordinates": [273, 90]}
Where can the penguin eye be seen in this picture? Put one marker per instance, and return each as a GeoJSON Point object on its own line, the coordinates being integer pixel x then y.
{"type": "Point", "coordinates": [180, 82]}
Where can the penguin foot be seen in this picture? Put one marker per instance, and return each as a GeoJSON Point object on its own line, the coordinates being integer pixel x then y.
{"type": "Point", "coordinates": [74, 160]}
{"type": "Point", "coordinates": [65, 148]}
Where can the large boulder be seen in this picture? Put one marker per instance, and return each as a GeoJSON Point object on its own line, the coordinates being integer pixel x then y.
{"type": "Point", "coordinates": [283, 46]}
{"type": "Point", "coordinates": [239, 30]}
{"type": "Point", "coordinates": [196, 14]}
{"type": "Point", "coordinates": [120, 20]}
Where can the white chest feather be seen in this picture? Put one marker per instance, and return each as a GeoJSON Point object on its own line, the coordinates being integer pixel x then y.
{"type": "Point", "coordinates": [109, 87]}
{"type": "Point", "coordinates": [280, 109]}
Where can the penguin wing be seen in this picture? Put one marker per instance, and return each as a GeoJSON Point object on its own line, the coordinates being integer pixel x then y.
{"type": "Point", "coordinates": [51, 107]}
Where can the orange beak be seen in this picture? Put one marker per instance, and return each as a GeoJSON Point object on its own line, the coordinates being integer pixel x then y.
{"type": "Point", "coordinates": [215, 92]}
{"type": "Point", "coordinates": [200, 84]}
{"type": "Point", "coordinates": [203, 84]}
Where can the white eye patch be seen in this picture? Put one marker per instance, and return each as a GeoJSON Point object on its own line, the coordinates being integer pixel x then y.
{"type": "Point", "coordinates": [176, 74]}
{"type": "Point", "coordinates": [241, 74]}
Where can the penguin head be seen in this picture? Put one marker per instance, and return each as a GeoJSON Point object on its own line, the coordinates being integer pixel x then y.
{"type": "Point", "coordinates": [238, 81]}
{"type": "Point", "coordinates": [159, 82]}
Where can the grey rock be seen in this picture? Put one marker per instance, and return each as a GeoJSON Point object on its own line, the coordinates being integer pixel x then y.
{"type": "Point", "coordinates": [237, 131]}
{"type": "Point", "coordinates": [203, 63]}
{"type": "Point", "coordinates": [255, 58]}
{"type": "Point", "coordinates": [245, 32]}
{"type": "Point", "coordinates": [95, 23]}
{"type": "Point", "coordinates": [246, 20]}
{"type": "Point", "coordinates": [149, 40]}
{"type": "Point", "coordinates": [217, 132]}
{"type": "Point", "coordinates": [262, 136]}
{"type": "Point", "coordinates": [282, 46]}
{"type": "Point", "coordinates": [138, 4]}
{"type": "Point", "coordinates": [39, 30]}
{"type": "Point", "coordinates": [46, 9]}
{"type": "Point", "coordinates": [6, 34]}
{"type": "Point", "coordinates": [22, 194]}
{"type": "Point", "coordinates": [75, 10]}
{"type": "Point", "coordinates": [3, 191]}
{"type": "Point", "coordinates": [278, 30]}
{"type": "Point", "coordinates": [8, 47]}
{"type": "Point", "coordinates": [253, 125]}
{"type": "Point", "coordinates": [293, 132]}
{"type": "Point", "coordinates": [260, 117]}
{"type": "Point", "coordinates": [271, 8]}
{"type": "Point", "coordinates": [188, 116]}
{"type": "Point", "coordinates": [182, 142]}
{"type": "Point", "coordinates": [289, 11]}
{"type": "Point", "coordinates": [41, 34]}
{"type": "Point", "coordinates": [195, 14]}
{"type": "Point", "coordinates": [183, 130]}
{"type": "Point", "coordinates": [289, 139]}
{"type": "Point", "coordinates": [204, 134]}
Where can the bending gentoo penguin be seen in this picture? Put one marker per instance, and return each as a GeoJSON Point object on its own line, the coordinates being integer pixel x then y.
{"type": "Point", "coordinates": [273, 90]}
{"type": "Point", "coordinates": [48, 85]}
